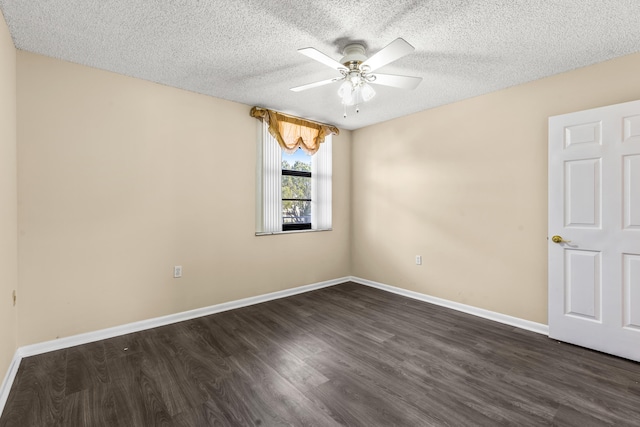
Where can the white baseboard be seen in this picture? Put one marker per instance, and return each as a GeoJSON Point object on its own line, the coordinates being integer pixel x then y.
{"type": "Point", "coordinates": [59, 344]}
{"type": "Point", "coordinates": [5, 387]}
{"type": "Point", "coordinates": [480, 312]}
{"type": "Point", "coordinates": [71, 341]}
{"type": "Point", "coordinates": [44, 347]}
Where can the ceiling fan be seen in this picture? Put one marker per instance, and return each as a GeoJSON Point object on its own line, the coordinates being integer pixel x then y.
{"type": "Point", "coordinates": [357, 71]}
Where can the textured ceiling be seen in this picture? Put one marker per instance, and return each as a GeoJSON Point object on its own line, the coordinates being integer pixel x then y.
{"type": "Point", "coordinates": [246, 50]}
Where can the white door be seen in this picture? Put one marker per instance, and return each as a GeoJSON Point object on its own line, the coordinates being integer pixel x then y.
{"type": "Point", "coordinates": [594, 207]}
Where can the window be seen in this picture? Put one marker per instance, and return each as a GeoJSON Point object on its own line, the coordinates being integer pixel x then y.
{"type": "Point", "coordinates": [294, 190]}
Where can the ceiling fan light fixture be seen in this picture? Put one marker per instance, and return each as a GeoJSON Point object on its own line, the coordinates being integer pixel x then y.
{"type": "Point", "coordinates": [367, 92]}
{"type": "Point", "coordinates": [345, 92]}
{"type": "Point", "coordinates": [351, 94]}
{"type": "Point", "coordinates": [355, 77]}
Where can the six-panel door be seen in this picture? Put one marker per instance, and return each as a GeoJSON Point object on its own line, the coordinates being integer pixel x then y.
{"type": "Point", "coordinates": [594, 205]}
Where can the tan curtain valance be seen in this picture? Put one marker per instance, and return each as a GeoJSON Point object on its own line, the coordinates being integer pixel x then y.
{"type": "Point", "coordinates": [293, 132]}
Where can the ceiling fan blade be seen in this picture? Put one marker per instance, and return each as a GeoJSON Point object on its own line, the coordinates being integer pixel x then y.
{"type": "Point", "coordinates": [322, 58]}
{"type": "Point", "coordinates": [402, 82]}
{"type": "Point", "coordinates": [391, 52]}
{"type": "Point", "coordinates": [316, 84]}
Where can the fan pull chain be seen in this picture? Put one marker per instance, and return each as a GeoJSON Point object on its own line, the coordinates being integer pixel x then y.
{"type": "Point", "coordinates": [345, 111]}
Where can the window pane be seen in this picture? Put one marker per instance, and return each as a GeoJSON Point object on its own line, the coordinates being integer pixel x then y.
{"type": "Point", "coordinates": [298, 161]}
{"type": "Point", "coordinates": [296, 212]}
{"type": "Point", "coordinates": [296, 187]}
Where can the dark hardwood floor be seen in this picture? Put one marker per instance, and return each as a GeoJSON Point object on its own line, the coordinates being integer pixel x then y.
{"type": "Point", "coordinates": [345, 355]}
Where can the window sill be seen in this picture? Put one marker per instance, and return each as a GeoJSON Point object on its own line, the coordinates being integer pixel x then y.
{"type": "Point", "coordinates": [260, 233]}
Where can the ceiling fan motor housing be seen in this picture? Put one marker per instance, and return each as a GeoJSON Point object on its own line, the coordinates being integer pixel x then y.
{"type": "Point", "coordinates": [354, 54]}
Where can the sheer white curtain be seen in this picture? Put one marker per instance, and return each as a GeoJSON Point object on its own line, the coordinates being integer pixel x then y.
{"type": "Point", "coordinates": [321, 187]}
{"type": "Point", "coordinates": [270, 202]}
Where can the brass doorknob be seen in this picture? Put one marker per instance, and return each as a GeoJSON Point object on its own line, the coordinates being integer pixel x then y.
{"type": "Point", "coordinates": [559, 239]}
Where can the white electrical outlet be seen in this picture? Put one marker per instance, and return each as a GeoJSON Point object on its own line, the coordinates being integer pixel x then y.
{"type": "Point", "coordinates": [177, 271]}
{"type": "Point", "coordinates": [418, 259]}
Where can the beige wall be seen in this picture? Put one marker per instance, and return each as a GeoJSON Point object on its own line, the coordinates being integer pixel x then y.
{"type": "Point", "coordinates": [465, 186]}
{"type": "Point", "coordinates": [8, 198]}
{"type": "Point", "coordinates": [121, 179]}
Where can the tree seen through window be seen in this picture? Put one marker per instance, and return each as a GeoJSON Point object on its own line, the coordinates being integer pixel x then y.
{"type": "Point", "coordinates": [296, 191]}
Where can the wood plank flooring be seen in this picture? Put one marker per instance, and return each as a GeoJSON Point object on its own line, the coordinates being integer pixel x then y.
{"type": "Point", "coordinates": [345, 355]}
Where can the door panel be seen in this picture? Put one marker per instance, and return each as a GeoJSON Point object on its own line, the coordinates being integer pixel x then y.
{"type": "Point", "coordinates": [583, 134]}
{"type": "Point", "coordinates": [582, 284]}
{"type": "Point", "coordinates": [631, 184]}
{"type": "Point", "coordinates": [631, 126]}
{"type": "Point", "coordinates": [594, 204]}
{"type": "Point", "coordinates": [631, 295]}
{"type": "Point", "coordinates": [582, 178]}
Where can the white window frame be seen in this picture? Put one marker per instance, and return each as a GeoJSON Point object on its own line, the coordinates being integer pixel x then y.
{"type": "Point", "coordinates": [269, 186]}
